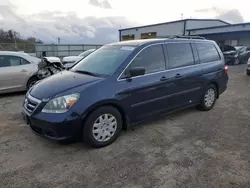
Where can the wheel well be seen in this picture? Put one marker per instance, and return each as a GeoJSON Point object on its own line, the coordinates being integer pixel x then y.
{"type": "Point", "coordinates": [217, 88]}
{"type": "Point", "coordinates": [34, 76]}
{"type": "Point", "coordinates": [123, 114]}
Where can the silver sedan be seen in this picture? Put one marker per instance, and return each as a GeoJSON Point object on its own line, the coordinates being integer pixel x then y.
{"type": "Point", "coordinates": [17, 71]}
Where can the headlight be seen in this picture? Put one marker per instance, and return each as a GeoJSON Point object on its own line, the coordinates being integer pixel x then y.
{"type": "Point", "coordinates": [61, 104]}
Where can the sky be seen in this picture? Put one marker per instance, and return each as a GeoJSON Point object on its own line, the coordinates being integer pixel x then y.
{"type": "Point", "coordinates": [98, 21]}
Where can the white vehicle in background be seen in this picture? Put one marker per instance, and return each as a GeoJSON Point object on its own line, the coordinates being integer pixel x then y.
{"type": "Point", "coordinates": [69, 61]}
{"type": "Point", "coordinates": [49, 66]}
{"type": "Point", "coordinates": [17, 71]}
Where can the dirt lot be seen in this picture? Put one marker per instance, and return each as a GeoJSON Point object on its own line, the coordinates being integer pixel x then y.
{"type": "Point", "coordinates": [187, 149]}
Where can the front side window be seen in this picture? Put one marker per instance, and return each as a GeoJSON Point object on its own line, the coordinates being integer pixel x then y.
{"type": "Point", "coordinates": [104, 61]}
{"type": "Point", "coordinates": [207, 52]}
{"type": "Point", "coordinates": [24, 62]}
{"type": "Point", "coordinates": [9, 61]}
{"type": "Point", "coordinates": [180, 55]}
{"type": "Point", "coordinates": [151, 58]}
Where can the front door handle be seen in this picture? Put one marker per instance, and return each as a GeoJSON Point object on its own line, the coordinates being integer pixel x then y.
{"type": "Point", "coordinates": [24, 70]}
{"type": "Point", "coordinates": [164, 78]}
{"type": "Point", "coordinates": [178, 75]}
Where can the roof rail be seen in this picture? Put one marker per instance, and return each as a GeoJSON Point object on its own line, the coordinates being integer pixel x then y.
{"type": "Point", "coordinates": [186, 37]}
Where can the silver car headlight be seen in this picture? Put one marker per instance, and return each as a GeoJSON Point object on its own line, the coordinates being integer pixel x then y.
{"type": "Point", "coordinates": [61, 104]}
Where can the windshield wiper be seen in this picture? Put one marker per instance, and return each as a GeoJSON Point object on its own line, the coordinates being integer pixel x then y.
{"type": "Point", "coordinates": [86, 72]}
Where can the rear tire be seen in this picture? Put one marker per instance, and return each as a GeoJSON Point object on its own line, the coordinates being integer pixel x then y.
{"type": "Point", "coordinates": [209, 98]}
{"type": "Point", "coordinates": [32, 81]}
{"type": "Point", "coordinates": [102, 127]}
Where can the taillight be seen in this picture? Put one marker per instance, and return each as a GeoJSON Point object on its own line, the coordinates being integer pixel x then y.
{"type": "Point", "coordinates": [226, 69]}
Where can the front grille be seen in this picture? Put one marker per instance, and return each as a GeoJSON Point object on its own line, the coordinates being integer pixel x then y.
{"type": "Point", "coordinates": [31, 103]}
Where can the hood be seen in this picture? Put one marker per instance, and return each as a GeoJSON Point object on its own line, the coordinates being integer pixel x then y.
{"type": "Point", "coordinates": [71, 58]}
{"type": "Point", "coordinates": [59, 83]}
{"type": "Point", "coordinates": [226, 48]}
{"type": "Point", "coordinates": [232, 52]}
{"type": "Point", "coordinates": [52, 59]}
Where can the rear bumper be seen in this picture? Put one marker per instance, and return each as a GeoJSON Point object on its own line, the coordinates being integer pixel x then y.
{"type": "Point", "coordinates": [223, 81]}
{"type": "Point", "coordinates": [222, 89]}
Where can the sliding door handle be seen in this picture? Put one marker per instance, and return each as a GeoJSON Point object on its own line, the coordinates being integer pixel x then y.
{"type": "Point", "coordinates": [163, 79]}
{"type": "Point", "coordinates": [178, 75]}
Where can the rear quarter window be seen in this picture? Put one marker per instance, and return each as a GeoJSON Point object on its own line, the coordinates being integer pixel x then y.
{"type": "Point", "coordinates": [207, 52]}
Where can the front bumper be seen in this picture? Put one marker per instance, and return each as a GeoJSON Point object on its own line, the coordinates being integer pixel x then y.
{"type": "Point", "coordinates": [56, 127]}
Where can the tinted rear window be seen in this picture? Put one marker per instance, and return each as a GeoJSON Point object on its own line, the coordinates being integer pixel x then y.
{"type": "Point", "coordinates": [207, 52]}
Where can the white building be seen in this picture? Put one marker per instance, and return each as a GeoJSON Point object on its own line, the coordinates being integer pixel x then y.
{"type": "Point", "coordinates": [214, 29]}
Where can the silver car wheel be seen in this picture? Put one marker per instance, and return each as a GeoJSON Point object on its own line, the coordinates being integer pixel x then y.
{"type": "Point", "coordinates": [104, 127]}
{"type": "Point", "coordinates": [32, 84]}
{"type": "Point", "coordinates": [209, 97]}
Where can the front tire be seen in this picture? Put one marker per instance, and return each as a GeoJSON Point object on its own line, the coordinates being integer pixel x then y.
{"type": "Point", "coordinates": [102, 127]}
{"type": "Point", "coordinates": [209, 98]}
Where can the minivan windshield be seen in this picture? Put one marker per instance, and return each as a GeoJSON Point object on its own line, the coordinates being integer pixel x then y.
{"type": "Point", "coordinates": [84, 54]}
{"type": "Point", "coordinates": [104, 61]}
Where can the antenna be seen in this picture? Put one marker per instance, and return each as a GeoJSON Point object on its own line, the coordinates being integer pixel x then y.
{"type": "Point", "coordinates": [181, 16]}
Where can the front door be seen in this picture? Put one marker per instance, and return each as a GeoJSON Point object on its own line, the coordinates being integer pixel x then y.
{"type": "Point", "coordinates": [147, 94]}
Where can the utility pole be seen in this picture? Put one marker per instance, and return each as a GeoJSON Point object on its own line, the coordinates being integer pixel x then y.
{"type": "Point", "coordinates": [58, 40]}
{"type": "Point", "coordinates": [182, 16]}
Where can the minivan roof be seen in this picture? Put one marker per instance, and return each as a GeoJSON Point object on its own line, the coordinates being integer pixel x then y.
{"type": "Point", "coordinates": [155, 40]}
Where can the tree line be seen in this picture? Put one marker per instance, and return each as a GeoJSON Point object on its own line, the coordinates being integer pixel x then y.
{"type": "Point", "coordinates": [11, 36]}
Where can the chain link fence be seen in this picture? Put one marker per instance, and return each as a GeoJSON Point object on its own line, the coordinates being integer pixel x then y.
{"type": "Point", "coordinates": [25, 47]}
{"type": "Point", "coordinates": [62, 50]}
{"type": "Point", "coordinates": [58, 50]}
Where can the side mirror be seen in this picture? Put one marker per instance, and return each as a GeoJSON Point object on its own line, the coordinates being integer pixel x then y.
{"type": "Point", "coordinates": [136, 71]}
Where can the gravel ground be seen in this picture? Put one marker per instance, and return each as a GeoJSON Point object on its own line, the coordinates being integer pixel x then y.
{"type": "Point", "coordinates": [186, 149]}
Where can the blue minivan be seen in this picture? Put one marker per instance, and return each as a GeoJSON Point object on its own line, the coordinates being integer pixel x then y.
{"type": "Point", "coordinates": [124, 83]}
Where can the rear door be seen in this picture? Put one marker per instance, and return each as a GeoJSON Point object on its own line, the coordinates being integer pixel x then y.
{"type": "Point", "coordinates": [14, 71]}
{"type": "Point", "coordinates": [185, 73]}
{"type": "Point", "coordinates": [146, 94]}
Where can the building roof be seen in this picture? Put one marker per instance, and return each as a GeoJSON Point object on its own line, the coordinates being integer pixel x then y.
{"type": "Point", "coordinates": [221, 26]}
{"type": "Point", "coordinates": [164, 23]}
{"type": "Point", "coordinates": [242, 27]}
